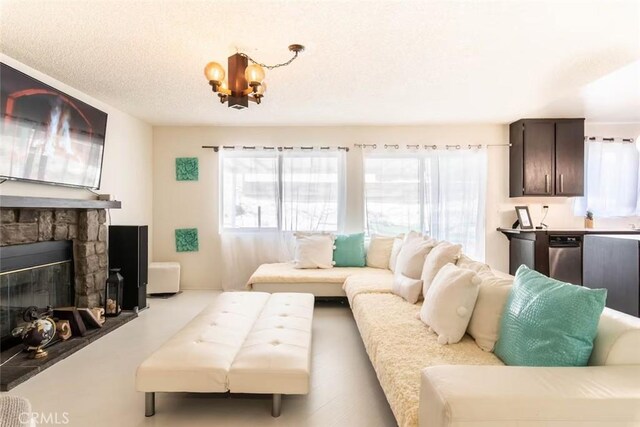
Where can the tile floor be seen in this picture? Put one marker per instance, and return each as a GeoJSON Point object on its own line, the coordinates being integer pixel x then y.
{"type": "Point", "coordinates": [95, 386]}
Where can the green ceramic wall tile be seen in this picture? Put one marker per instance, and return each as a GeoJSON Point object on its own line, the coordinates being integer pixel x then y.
{"type": "Point", "coordinates": [187, 240]}
{"type": "Point", "coordinates": [186, 169]}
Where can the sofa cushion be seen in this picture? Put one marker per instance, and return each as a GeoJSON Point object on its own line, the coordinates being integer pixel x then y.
{"type": "Point", "coordinates": [547, 322]}
{"type": "Point", "coordinates": [507, 396]}
{"type": "Point", "coordinates": [449, 303]}
{"type": "Point", "coordinates": [379, 252]}
{"type": "Point", "coordinates": [349, 250]}
{"type": "Point", "coordinates": [407, 288]}
{"type": "Point", "coordinates": [443, 254]}
{"type": "Point", "coordinates": [314, 250]}
{"type": "Point", "coordinates": [484, 325]}
{"type": "Point", "coordinates": [400, 346]}
{"type": "Point", "coordinates": [617, 341]}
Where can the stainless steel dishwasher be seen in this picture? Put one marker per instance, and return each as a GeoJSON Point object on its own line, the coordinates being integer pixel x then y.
{"type": "Point", "coordinates": [565, 258]}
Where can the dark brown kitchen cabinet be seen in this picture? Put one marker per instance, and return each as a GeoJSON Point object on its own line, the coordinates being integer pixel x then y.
{"type": "Point", "coordinates": [570, 158]}
{"type": "Point", "coordinates": [546, 157]}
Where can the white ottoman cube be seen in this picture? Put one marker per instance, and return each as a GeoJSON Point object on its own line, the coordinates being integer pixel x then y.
{"type": "Point", "coordinates": [164, 278]}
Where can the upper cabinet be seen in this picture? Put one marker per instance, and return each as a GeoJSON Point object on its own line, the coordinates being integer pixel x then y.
{"type": "Point", "coordinates": [546, 157]}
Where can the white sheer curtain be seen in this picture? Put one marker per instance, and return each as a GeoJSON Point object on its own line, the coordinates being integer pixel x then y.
{"type": "Point", "coordinates": [313, 190]}
{"type": "Point", "coordinates": [456, 198]}
{"type": "Point", "coordinates": [392, 185]}
{"type": "Point", "coordinates": [249, 190]}
{"type": "Point", "coordinates": [244, 251]}
{"type": "Point", "coordinates": [611, 180]}
{"type": "Point", "coordinates": [441, 193]}
{"type": "Point", "coordinates": [266, 196]}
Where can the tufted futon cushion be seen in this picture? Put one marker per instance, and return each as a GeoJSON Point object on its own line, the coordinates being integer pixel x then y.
{"type": "Point", "coordinates": [250, 342]}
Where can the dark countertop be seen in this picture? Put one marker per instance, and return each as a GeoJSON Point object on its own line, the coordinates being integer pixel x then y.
{"type": "Point", "coordinates": [621, 236]}
{"type": "Point", "coordinates": [579, 231]}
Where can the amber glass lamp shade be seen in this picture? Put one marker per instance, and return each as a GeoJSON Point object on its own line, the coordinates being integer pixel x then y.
{"type": "Point", "coordinates": [214, 72]}
{"type": "Point", "coordinates": [254, 74]}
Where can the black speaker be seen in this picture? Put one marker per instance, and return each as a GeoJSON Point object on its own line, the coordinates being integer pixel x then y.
{"type": "Point", "coordinates": [129, 251]}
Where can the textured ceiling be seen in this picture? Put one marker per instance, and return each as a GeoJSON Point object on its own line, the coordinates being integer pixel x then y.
{"type": "Point", "coordinates": [374, 62]}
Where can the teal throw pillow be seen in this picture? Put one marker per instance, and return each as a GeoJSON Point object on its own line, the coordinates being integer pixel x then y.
{"type": "Point", "coordinates": [547, 322]}
{"type": "Point", "coordinates": [349, 250]}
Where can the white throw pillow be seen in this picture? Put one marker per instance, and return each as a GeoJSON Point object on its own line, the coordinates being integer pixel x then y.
{"type": "Point", "coordinates": [475, 266]}
{"type": "Point", "coordinates": [484, 325]}
{"type": "Point", "coordinates": [443, 254]}
{"type": "Point", "coordinates": [379, 252]}
{"type": "Point", "coordinates": [314, 250]}
{"type": "Point", "coordinates": [407, 288]}
{"type": "Point", "coordinates": [395, 250]}
{"type": "Point", "coordinates": [449, 303]}
{"type": "Point", "coordinates": [412, 255]}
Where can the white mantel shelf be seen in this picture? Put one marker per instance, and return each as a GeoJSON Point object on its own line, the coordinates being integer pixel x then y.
{"type": "Point", "coordinates": [51, 202]}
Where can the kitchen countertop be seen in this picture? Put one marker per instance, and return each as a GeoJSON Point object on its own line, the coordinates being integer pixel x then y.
{"type": "Point", "coordinates": [622, 236]}
{"type": "Point", "coordinates": [553, 230]}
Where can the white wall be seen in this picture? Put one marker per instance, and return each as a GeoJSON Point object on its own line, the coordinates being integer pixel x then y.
{"type": "Point", "coordinates": [127, 166]}
{"type": "Point", "coordinates": [195, 204]}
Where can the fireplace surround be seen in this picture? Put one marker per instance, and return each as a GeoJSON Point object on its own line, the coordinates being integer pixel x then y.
{"type": "Point", "coordinates": [84, 227]}
{"type": "Point", "coordinates": [83, 222]}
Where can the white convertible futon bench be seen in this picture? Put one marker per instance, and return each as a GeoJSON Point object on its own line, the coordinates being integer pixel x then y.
{"type": "Point", "coordinates": [243, 342]}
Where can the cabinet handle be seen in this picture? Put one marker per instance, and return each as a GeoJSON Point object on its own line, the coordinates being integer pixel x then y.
{"type": "Point", "coordinates": [546, 184]}
{"type": "Point", "coordinates": [562, 183]}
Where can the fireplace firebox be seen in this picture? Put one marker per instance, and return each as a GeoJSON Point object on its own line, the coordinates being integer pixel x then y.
{"type": "Point", "coordinates": [35, 274]}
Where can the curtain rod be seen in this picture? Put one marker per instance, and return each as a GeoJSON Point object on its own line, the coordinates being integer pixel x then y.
{"type": "Point", "coordinates": [609, 139]}
{"type": "Point", "coordinates": [431, 146]}
{"type": "Point", "coordinates": [216, 148]}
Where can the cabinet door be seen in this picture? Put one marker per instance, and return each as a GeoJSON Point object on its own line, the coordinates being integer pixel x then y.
{"type": "Point", "coordinates": [521, 251]}
{"type": "Point", "coordinates": [539, 142]}
{"type": "Point", "coordinates": [570, 158]}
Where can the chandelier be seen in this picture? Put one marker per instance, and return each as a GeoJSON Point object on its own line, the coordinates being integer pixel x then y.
{"type": "Point", "coordinates": [245, 82]}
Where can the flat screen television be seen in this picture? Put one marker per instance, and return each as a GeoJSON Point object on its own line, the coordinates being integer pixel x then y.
{"type": "Point", "coordinates": [47, 136]}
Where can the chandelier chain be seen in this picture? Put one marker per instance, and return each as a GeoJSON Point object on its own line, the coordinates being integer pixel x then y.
{"type": "Point", "coordinates": [270, 67]}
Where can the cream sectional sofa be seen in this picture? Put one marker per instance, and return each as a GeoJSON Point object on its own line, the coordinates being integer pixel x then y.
{"type": "Point", "coordinates": [432, 385]}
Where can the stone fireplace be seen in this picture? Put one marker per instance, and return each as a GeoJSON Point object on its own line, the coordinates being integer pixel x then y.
{"type": "Point", "coordinates": [52, 252]}
{"type": "Point", "coordinates": [84, 227]}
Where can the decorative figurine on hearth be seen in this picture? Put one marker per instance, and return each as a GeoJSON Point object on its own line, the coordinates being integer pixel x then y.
{"type": "Point", "coordinates": [38, 332]}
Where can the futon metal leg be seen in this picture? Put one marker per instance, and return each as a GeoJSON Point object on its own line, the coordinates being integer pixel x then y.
{"type": "Point", "coordinates": [149, 404]}
{"type": "Point", "coordinates": [276, 406]}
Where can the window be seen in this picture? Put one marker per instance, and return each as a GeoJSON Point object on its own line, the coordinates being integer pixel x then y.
{"type": "Point", "coordinates": [289, 191]}
{"type": "Point", "coordinates": [393, 194]}
{"type": "Point", "coordinates": [249, 190]}
{"type": "Point", "coordinates": [310, 187]}
{"type": "Point", "coordinates": [611, 179]}
{"type": "Point", "coordinates": [439, 193]}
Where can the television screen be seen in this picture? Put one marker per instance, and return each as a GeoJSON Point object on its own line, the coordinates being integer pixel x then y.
{"type": "Point", "coordinates": [48, 136]}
